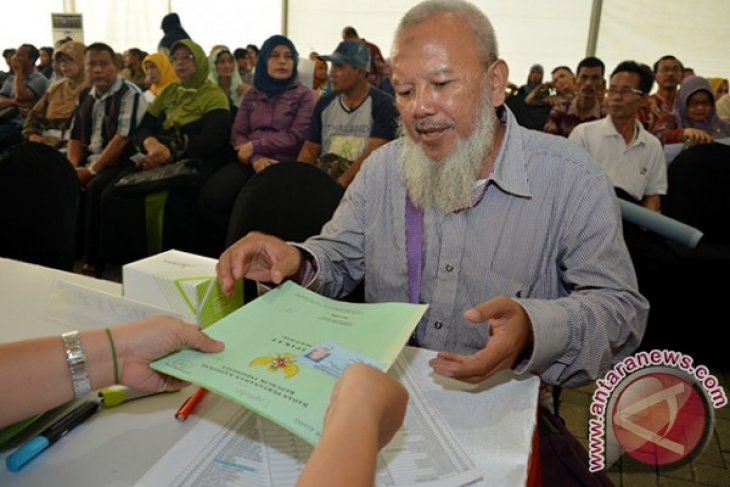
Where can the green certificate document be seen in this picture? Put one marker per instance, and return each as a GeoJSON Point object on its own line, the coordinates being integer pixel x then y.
{"type": "Point", "coordinates": [285, 350]}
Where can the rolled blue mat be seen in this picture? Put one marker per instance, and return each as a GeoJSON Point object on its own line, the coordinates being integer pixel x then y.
{"type": "Point", "coordinates": [667, 227]}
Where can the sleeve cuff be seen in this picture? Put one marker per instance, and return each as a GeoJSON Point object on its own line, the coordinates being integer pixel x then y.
{"type": "Point", "coordinates": [550, 332]}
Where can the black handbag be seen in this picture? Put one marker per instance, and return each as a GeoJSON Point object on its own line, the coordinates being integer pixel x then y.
{"type": "Point", "coordinates": [180, 174]}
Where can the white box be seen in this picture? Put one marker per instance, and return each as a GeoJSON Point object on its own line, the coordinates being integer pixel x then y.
{"type": "Point", "coordinates": [181, 282]}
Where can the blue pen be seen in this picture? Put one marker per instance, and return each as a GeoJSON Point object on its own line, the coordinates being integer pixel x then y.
{"type": "Point", "coordinates": [28, 451]}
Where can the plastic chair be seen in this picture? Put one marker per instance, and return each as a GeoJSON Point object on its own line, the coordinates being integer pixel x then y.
{"type": "Point", "coordinates": [39, 196]}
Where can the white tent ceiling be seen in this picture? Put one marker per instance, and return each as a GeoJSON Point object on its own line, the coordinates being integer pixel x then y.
{"type": "Point", "coordinates": [548, 32]}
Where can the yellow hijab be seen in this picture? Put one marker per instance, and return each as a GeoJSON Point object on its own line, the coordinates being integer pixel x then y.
{"type": "Point", "coordinates": [164, 66]}
{"type": "Point", "coordinates": [715, 84]}
{"type": "Point", "coordinates": [63, 95]}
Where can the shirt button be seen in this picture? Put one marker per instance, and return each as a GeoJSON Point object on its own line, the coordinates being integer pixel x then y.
{"type": "Point", "coordinates": [438, 325]}
{"type": "Point", "coordinates": [449, 268]}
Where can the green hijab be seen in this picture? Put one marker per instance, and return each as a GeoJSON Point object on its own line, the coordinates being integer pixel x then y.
{"type": "Point", "coordinates": [185, 102]}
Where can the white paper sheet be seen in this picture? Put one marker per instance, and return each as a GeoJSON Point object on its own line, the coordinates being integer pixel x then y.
{"type": "Point", "coordinates": [233, 447]}
{"type": "Point", "coordinates": [83, 307]}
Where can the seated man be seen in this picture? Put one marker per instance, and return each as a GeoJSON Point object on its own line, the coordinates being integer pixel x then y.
{"type": "Point", "coordinates": [668, 76]}
{"type": "Point", "coordinates": [99, 148]}
{"type": "Point", "coordinates": [512, 236]}
{"type": "Point", "coordinates": [555, 92]}
{"type": "Point", "coordinates": [350, 123]}
{"type": "Point", "coordinates": [631, 156]}
{"type": "Point", "coordinates": [587, 104]}
{"type": "Point", "coordinates": [21, 90]}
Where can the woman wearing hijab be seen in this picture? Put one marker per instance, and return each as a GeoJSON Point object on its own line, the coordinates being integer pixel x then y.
{"type": "Point", "coordinates": [223, 72]}
{"type": "Point", "coordinates": [158, 72]}
{"type": "Point", "coordinates": [190, 119]}
{"type": "Point", "coordinates": [270, 127]}
{"type": "Point", "coordinates": [695, 119]}
{"type": "Point", "coordinates": [720, 87]}
{"type": "Point", "coordinates": [48, 122]}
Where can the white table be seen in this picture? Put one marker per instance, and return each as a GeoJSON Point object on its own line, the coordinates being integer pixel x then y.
{"type": "Point", "coordinates": [118, 445]}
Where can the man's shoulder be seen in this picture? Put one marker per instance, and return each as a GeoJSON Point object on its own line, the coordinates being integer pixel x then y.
{"type": "Point", "coordinates": [545, 153]}
{"type": "Point", "coordinates": [591, 127]}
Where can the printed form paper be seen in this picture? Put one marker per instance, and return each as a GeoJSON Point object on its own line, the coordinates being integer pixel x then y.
{"type": "Point", "coordinates": [232, 446]}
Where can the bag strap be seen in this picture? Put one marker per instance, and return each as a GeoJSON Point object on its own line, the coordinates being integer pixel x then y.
{"type": "Point", "coordinates": [414, 248]}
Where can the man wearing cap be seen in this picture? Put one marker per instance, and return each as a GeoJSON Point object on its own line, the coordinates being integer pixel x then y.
{"type": "Point", "coordinates": [348, 124]}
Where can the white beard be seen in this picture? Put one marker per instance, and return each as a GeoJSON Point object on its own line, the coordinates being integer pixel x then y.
{"type": "Point", "coordinates": [447, 184]}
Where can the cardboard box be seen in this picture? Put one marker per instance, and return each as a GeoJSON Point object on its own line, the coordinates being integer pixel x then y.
{"type": "Point", "coordinates": [181, 282]}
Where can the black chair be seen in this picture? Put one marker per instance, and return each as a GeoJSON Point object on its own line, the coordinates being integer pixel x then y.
{"type": "Point", "coordinates": [290, 200]}
{"type": "Point", "coordinates": [698, 179]}
{"type": "Point", "coordinates": [686, 298]}
{"type": "Point", "coordinates": [39, 196]}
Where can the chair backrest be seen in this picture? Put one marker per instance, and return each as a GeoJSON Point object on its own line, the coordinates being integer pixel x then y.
{"type": "Point", "coordinates": [39, 195]}
{"type": "Point", "coordinates": [290, 200]}
{"type": "Point", "coordinates": [698, 179]}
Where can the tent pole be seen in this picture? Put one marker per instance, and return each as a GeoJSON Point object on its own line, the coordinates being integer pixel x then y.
{"type": "Point", "coordinates": [593, 30]}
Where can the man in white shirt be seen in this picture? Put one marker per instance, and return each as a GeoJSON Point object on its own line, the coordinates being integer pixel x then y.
{"type": "Point", "coordinates": [631, 156]}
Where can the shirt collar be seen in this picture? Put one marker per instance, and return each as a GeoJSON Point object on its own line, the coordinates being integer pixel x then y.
{"type": "Point", "coordinates": [608, 129]}
{"type": "Point", "coordinates": [115, 87]}
{"type": "Point", "coordinates": [510, 166]}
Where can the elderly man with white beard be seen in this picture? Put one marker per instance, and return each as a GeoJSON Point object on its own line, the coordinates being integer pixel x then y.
{"type": "Point", "coordinates": [511, 236]}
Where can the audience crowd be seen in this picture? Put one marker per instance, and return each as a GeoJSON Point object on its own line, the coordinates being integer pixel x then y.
{"type": "Point", "coordinates": [235, 112]}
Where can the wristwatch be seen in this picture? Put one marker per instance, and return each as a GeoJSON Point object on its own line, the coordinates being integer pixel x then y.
{"type": "Point", "coordinates": [76, 360]}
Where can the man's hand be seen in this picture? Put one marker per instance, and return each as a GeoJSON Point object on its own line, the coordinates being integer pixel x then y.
{"type": "Point", "coordinates": [510, 334]}
{"type": "Point", "coordinates": [84, 176]}
{"type": "Point", "coordinates": [259, 257]}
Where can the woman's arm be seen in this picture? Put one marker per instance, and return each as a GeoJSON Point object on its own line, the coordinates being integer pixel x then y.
{"type": "Point", "coordinates": [34, 375]}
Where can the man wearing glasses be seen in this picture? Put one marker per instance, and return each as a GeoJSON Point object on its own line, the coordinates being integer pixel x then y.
{"type": "Point", "coordinates": [631, 156]}
{"type": "Point", "coordinates": [668, 75]}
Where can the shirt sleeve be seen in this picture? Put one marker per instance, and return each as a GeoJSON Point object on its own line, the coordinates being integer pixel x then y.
{"type": "Point", "coordinates": [601, 317]}
{"type": "Point", "coordinates": [315, 126]}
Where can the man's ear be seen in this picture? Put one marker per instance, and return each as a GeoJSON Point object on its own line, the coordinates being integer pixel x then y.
{"type": "Point", "coordinates": [498, 75]}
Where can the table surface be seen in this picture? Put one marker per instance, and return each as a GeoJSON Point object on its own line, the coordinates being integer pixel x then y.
{"type": "Point", "coordinates": [118, 445]}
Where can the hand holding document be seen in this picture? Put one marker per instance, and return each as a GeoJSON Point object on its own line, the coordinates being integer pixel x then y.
{"type": "Point", "coordinates": [285, 351]}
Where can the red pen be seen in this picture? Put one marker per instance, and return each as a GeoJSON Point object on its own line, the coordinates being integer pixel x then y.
{"type": "Point", "coordinates": [190, 404]}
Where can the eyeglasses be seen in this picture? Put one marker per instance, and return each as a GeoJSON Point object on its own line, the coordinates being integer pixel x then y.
{"type": "Point", "coordinates": [183, 58]}
{"type": "Point", "coordinates": [623, 91]}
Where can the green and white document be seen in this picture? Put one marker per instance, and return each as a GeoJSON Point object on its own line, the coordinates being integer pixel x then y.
{"type": "Point", "coordinates": [285, 350]}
